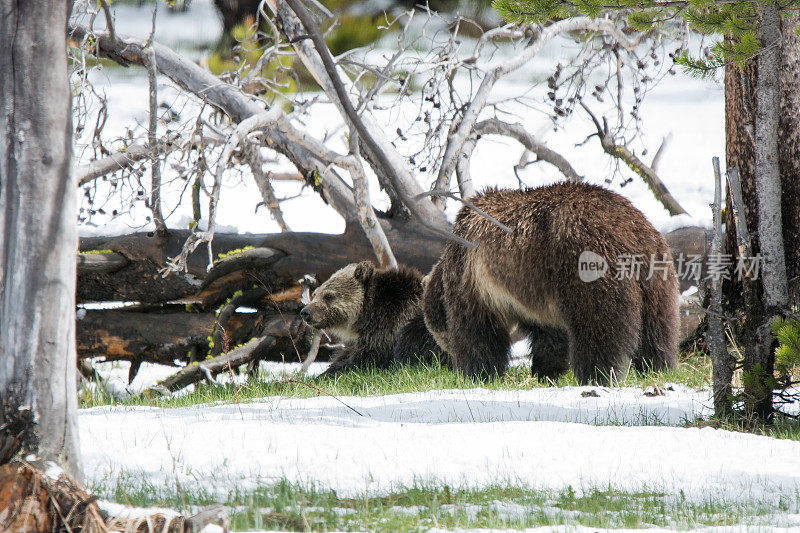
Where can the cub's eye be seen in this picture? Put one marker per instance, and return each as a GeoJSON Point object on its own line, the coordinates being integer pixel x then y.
{"type": "Point", "coordinates": [328, 297]}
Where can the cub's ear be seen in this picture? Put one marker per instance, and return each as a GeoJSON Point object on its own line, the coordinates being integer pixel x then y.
{"type": "Point", "coordinates": [363, 271]}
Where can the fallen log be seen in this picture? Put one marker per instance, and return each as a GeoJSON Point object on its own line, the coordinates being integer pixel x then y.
{"type": "Point", "coordinates": [100, 261]}
{"type": "Point", "coordinates": [162, 337]}
{"type": "Point", "coordinates": [172, 335]}
{"type": "Point", "coordinates": [295, 254]}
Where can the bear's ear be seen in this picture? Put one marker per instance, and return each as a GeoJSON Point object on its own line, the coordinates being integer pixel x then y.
{"type": "Point", "coordinates": [363, 271]}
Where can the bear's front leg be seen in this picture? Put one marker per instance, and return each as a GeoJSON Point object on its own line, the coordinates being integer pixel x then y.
{"type": "Point", "coordinates": [358, 357]}
{"type": "Point", "coordinates": [480, 341]}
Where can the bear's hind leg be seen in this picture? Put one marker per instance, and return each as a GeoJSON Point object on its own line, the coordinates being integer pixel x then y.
{"type": "Point", "coordinates": [549, 350]}
{"type": "Point", "coordinates": [604, 332]}
{"type": "Point", "coordinates": [660, 324]}
{"type": "Point", "coordinates": [480, 341]}
{"type": "Point", "coordinates": [415, 344]}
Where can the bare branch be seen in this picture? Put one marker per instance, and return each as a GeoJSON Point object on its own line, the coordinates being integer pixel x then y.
{"type": "Point", "coordinates": [155, 162]}
{"type": "Point", "coordinates": [121, 159]}
{"type": "Point", "coordinates": [518, 132]}
{"type": "Point", "coordinates": [366, 215]}
{"type": "Point", "coordinates": [109, 19]}
{"type": "Point", "coordinates": [622, 153]}
{"type": "Point", "coordinates": [259, 121]}
{"type": "Point", "coordinates": [722, 362]}
{"type": "Point", "coordinates": [460, 135]}
{"type": "Point", "coordinates": [509, 31]}
{"type": "Point", "coordinates": [463, 174]}
{"type": "Point", "coordinates": [265, 186]}
{"type": "Point", "coordinates": [207, 369]}
{"type": "Point", "coordinates": [230, 100]}
{"type": "Point", "coordinates": [742, 234]}
{"type": "Point", "coordinates": [472, 206]}
{"type": "Point", "coordinates": [428, 216]}
{"type": "Point", "coordinates": [660, 152]}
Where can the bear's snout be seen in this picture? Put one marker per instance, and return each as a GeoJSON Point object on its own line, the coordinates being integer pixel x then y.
{"type": "Point", "coordinates": [306, 315]}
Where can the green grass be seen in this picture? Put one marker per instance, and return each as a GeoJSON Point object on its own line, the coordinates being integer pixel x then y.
{"type": "Point", "coordinates": [694, 373]}
{"type": "Point", "coordinates": [782, 427]}
{"type": "Point", "coordinates": [287, 506]}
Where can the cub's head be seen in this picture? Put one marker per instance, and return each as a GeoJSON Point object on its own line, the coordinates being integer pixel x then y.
{"type": "Point", "coordinates": [337, 302]}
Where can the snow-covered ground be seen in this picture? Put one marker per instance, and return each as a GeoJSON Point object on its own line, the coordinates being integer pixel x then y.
{"type": "Point", "coordinates": [540, 438]}
{"type": "Point", "coordinates": [546, 438]}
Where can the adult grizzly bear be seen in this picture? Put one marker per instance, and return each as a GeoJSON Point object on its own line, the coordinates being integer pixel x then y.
{"type": "Point", "coordinates": [365, 308]}
{"type": "Point", "coordinates": [530, 278]}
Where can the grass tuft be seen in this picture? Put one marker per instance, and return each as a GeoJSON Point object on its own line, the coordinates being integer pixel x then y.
{"type": "Point", "coordinates": [292, 507]}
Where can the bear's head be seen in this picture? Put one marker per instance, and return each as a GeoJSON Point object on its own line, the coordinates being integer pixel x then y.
{"type": "Point", "coordinates": [337, 303]}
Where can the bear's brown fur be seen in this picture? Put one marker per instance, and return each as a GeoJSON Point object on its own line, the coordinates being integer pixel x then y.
{"type": "Point", "coordinates": [530, 279]}
{"type": "Point", "coordinates": [365, 308]}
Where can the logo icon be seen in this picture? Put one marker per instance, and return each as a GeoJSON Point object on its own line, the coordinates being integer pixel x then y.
{"type": "Point", "coordinates": [591, 266]}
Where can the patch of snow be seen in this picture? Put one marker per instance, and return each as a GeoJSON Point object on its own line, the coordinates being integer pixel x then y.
{"type": "Point", "coordinates": [469, 438]}
{"type": "Point", "coordinates": [115, 374]}
{"type": "Point", "coordinates": [118, 510]}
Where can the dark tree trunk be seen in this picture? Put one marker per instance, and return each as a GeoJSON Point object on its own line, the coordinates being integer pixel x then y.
{"type": "Point", "coordinates": [234, 12]}
{"type": "Point", "coordinates": [38, 236]}
{"type": "Point", "coordinates": [789, 148]}
{"type": "Point", "coordinates": [740, 111]}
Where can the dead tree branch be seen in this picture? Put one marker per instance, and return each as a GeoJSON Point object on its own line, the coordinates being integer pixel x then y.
{"type": "Point", "coordinates": [403, 186]}
{"type": "Point", "coordinates": [211, 367]}
{"type": "Point", "coordinates": [109, 19]}
{"type": "Point", "coordinates": [542, 152]}
{"type": "Point", "coordinates": [723, 363]}
{"type": "Point", "coordinates": [461, 134]}
{"type": "Point", "coordinates": [366, 215]}
{"type": "Point", "coordinates": [660, 152]}
{"type": "Point", "coordinates": [463, 172]}
{"type": "Point", "coordinates": [118, 161]}
{"type": "Point", "coordinates": [229, 99]}
{"type": "Point", "coordinates": [622, 153]}
{"type": "Point", "coordinates": [264, 185]}
{"type": "Point", "coordinates": [487, 216]}
{"type": "Point", "coordinates": [389, 165]}
{"type": "Point", "coordinates": [155, 161]}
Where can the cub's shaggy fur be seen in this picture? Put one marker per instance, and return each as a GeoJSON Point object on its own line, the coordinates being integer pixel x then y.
{"type": "Point", "coordinates": [366, 308]}
{"type": "Point", "coordinates": [530, 279]}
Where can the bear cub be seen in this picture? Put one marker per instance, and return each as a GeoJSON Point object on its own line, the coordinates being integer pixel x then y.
{"type": "Point", "coordinates": [366, 308]}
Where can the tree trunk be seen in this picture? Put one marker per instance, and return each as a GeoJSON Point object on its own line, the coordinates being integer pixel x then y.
{"type": "Point", "coordinates": [789, 147]}
{"type": "Point", "coordinates": [768, 178]}
{"type": "Point", "coordinates": [741, 104]}
{"type": "Point", "coordinates": [38, 233]}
